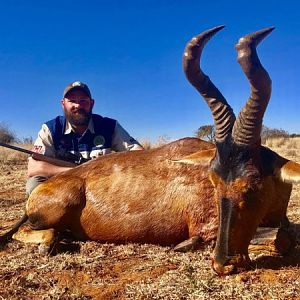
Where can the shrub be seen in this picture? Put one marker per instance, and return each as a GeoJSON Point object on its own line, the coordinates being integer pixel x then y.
{"type": "Point", "coordinates": [6, 134]}
{"type": "Point", "coordinates": [206, 132]}
{"type": "Point", "coordinates": [271, 133]}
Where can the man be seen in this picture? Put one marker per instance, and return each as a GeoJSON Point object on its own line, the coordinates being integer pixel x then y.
{"type": "Point", "coordinates": [78, 133]}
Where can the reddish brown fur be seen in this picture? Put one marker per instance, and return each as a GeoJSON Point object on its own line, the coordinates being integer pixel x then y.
{"type": "Point", "coordinates": [146, 197]}
{"type": "Point", "coordinates": [135, 196]}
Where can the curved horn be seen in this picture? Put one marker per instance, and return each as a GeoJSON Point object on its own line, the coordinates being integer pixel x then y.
{"type": "Point", "coordinates": [247, 127]}
{"type": "Point", "coordinates": [222, 112]}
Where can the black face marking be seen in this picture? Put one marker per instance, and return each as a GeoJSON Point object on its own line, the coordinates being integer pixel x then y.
{"type": "Point", "coordinates": [225, 223]}
{"type": "Point", "coordinates": [233, 161]}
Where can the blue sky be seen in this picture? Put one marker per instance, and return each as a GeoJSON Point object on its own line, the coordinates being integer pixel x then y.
{"type": "Point", "coordinates": [129, 53]}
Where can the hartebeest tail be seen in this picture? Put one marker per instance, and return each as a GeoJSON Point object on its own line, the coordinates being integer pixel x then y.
{"type": "Point", "coordinates": [188, 191]}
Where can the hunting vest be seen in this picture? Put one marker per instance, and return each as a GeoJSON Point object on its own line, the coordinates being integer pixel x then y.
{"type": "Point", "coordinates": [100, 140]}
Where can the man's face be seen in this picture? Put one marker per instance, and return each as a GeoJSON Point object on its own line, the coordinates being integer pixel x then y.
{"type": "Point", "coordinates": [77, 106]}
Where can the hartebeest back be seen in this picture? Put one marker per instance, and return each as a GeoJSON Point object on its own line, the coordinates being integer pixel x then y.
{"type": "Point", "coordinates": [186, 190]}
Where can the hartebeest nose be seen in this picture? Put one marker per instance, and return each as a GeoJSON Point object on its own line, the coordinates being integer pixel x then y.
{"type": "Point", "coordinates": [221, 269]}
{"type": "Point", "coordinates": [226, 265]}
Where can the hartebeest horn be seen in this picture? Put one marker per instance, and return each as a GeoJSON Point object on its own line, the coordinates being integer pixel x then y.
{"type": "Point", "coordinates": [222, 112]}
{"type": "Point", "coordinates": [247, 127]}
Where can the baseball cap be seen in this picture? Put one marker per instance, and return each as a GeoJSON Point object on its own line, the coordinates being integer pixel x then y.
{"type": "Point", "coordinates": [77, 85]}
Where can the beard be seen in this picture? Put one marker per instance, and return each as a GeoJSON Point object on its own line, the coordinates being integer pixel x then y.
{"type": "Point", "coordinates": [79, 117]}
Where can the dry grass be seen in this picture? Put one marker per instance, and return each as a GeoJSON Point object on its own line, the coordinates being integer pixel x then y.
{"type": "Point", "coordinates": [105, 271]}
{"type": "Point", "coordinates": [288, 147]}
{"type": "Point", "coordinates": [8, 155]}
{"type": "Point", "coordinates": [162, 140]}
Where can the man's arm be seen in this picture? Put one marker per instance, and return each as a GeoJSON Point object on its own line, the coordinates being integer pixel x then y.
{"type": "Point", "coordinates": [44, 145]}
{"type": "Point", "coordinates": [42, 168]}
{"type": "Point", "coordinates": [122, 141]}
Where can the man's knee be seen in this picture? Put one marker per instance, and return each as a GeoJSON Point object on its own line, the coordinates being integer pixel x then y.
{"type": "Point", "coordinates": [33, 182]}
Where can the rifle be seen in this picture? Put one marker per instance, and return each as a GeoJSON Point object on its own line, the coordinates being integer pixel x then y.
{"type": "Point", "coordinates": [64, 159]}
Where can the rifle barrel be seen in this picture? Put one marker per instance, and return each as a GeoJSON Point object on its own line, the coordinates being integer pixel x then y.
{"type": "Point", "coordinates": [42, 157]}
{"type": "Point", "coordinates": [16, 148]}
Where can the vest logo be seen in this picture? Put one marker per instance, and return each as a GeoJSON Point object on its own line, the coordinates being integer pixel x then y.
{"type": "Point", "coordinates": [99, 141]}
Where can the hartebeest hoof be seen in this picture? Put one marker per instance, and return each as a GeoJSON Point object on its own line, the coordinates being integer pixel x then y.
{"type": "Point", "coordinates": [45, 238]}
{"type": "Point", "coordinates": [285, 241]}
{"type": "Point", "coordinates": [275, 241]}
{"type": "Point", "coordinates": [192, 243]}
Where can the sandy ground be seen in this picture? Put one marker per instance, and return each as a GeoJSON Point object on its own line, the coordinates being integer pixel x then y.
{"type": "Point", "coordinates": [92, 270]}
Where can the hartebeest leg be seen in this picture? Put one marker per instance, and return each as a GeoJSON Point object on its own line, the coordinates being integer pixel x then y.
{"type": "Point", "coordinates": [45, 238]}
{"type": "Point", "coordinates": [192, 243]}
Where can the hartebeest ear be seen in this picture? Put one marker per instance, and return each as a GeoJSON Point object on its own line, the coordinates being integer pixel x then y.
{"type": "Point", "coordinates": [289, 172]}
{"type": "Point", "coordinates": [202, 158]}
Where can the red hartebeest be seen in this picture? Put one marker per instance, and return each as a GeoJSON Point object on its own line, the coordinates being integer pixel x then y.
{"type": "Point", "coordinates": [187, 190]}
